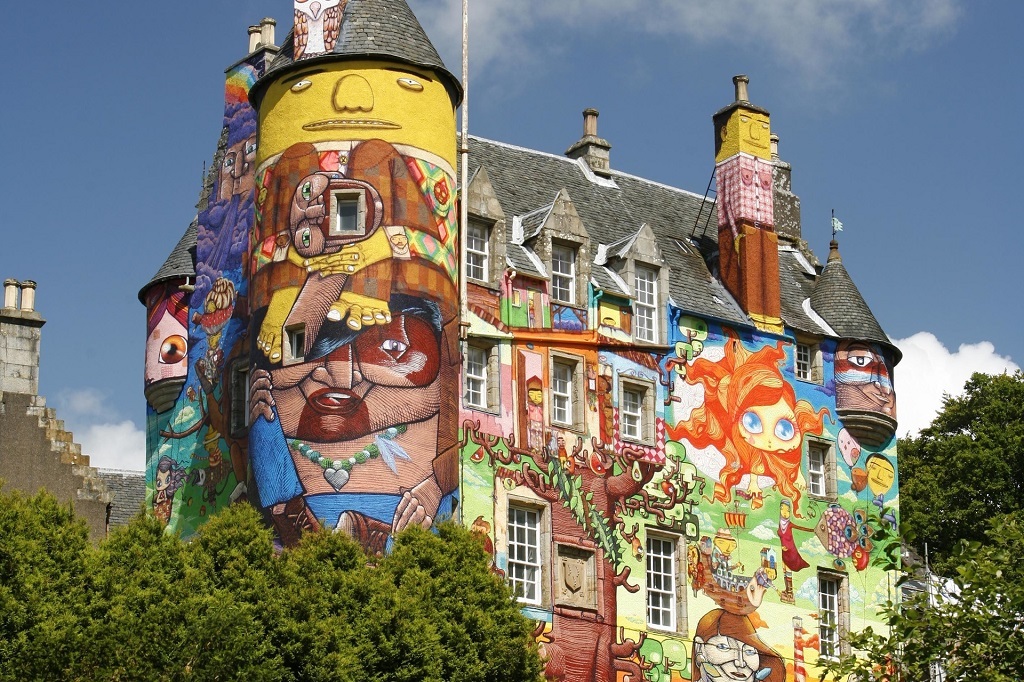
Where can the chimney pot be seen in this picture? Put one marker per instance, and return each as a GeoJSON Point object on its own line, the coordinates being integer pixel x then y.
{"type": "Point", "coordinates": [28, 296]}
{"type": "Point", "coordinates": [11, 293]}
{"type": "Point", "coordinates": [590, 122]}
{"type": "Point", "coordinates": [254, 38]}
{"type": "Point", "coordinates": [267, 31]}
{"type": "Point", "coordinates": [740, 82]}
{"type": "Point", "coordinates": [774, 140]}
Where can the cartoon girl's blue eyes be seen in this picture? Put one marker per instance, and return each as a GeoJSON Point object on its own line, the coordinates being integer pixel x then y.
{"type": "Point", "coordinates": [785, 430]}
{"type": "Point", "coordinates": [752, 423]}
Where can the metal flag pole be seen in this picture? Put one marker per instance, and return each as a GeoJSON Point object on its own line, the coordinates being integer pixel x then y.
{"type": "Point", "coordinates": [464, 182]}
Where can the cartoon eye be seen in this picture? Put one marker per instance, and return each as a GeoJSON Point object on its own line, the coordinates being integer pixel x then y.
{"type": "Point", "coordinates": [744, 119]}
{"type": "Point", "coordinates": [301, 85]}
{"type": "Point", "coordinates": [410, 84]}
{"type": "Point", "coordinates": [722, 646]}
{"type": "Point", "coordinates": [250, 148]}
{"type": "Point", "coordinates": [752, 423]}
{"type": "Point", "coordinates": [173, 350]}
{"type": "Point", "coordinates": [229, 161]}
{"type": "Point", "coordinates": [394, 347]}
{"type": "Point", "coordinates": [785, 430]}
{"type": "Point", "coordinates": [304, 237]}
{"type": "Point", "coordinates": [749, 651]}
{"type": "Point", "coordinates": [307, 190]}
{"type": "Point", "coordinates": [860, 360]}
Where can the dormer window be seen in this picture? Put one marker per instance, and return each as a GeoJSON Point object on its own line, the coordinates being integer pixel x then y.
{"type": "Point", "coordinates": [645, 321]}
{"type": "Point", "coordinates": [563, 273]}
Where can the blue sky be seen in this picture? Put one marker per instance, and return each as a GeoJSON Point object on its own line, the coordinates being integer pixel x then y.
{"type": "Point", "coordinates": [903, 116]}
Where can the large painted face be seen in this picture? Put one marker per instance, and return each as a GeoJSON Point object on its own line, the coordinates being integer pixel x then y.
{"type": "Point", "coordinates": [166, 350]}
{"type": "Point", "coordinates": [862, 379]}
{"type": "Point", "coordinates": [358, 100]}
{"type": "Point", "coordinates": [881, 474]}
{"type": "Point", "coordinates": [726, 658]}
{"type": "Point", "coordinates": [236, 171]}
{"type": "Point", "coordinates": [386, 377]}
{"type": "Point", "coordinates": [770, 428]}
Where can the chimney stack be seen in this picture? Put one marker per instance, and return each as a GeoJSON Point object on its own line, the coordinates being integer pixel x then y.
{"type": "Point", "coordinates": [786, 203]}
{"type": "Point", "coordinates": [11, 293]}
{"type": "Point", "coordinates": [741, 82]}
{"type": "Point", "coordinates": [254, 38]}
{"type": "Point", "coordinates": [594, 150]}
{"type": "Point", "coordinates": [28, 296]}
{"type": "Point", "coordinates": [19, 339]}
{"type": "Point", "coordinates": [267, 32]}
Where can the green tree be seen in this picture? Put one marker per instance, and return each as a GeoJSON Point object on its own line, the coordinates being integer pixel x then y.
{"type": "Point", "coordinates": [971, 624]}
{"type": "Point", "coordinates": [226, 605]}
{"type": "Point", "coordinates": [964, 469]}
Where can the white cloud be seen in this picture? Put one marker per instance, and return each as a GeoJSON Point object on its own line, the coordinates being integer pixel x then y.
{"type": "Point", "coordinates": [110, 442]}
{"type": "Point", "coordinates": [810, 36]}
{"type": "Point", "coordinates": [120, 445]}
{"type": "Point", "coordinates": [928, 371]}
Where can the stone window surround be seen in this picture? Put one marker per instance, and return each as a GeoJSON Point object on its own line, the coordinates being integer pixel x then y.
{"type": "Point", "coordinates": [680, 625]}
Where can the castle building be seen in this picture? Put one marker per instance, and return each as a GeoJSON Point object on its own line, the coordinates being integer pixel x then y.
{"type": "Point", "coordinates": [671, 425]}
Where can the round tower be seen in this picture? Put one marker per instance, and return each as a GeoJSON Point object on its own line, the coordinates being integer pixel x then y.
{"type": "Point", "coordinates": [353, 277]}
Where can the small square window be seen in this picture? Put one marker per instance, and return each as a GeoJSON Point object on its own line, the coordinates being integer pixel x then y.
{"type": "Point", "coordinates": [566, 383]}
{"type": "Point", "coordinates": [296, 343]}
{"type": "Point", "coordinates": [807, 362]}
{"type": "Point", "coordinates": [563, 273]}
{"type": "Point", "coordinates": [347, 207]}
{"type": "Point", "coordinates": [636, 411]}
{"type": "Point", "coordinates": [525, 564]}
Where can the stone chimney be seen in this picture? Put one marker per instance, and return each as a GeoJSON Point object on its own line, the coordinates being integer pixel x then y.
{"type": "Point", "coordinates": [745, 177]}
{"type": "Point", "coordinates": [787, 204]}
{"type": "Point", "coordinates": [267, 32]}
{"type": "Point", "coordinates": [594, 150]}
{"type": "Point", "coordinates": [19, 339]}
{"type": "Point", "coordinates": [254, 38]}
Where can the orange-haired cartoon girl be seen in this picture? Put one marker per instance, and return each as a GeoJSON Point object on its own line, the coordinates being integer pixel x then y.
{"type": "Point", "coordinates": [751, 415]}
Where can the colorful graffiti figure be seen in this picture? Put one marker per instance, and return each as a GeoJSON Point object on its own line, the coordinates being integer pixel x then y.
{"type": "Point", "coordinates": [726, 646]}
{"type": "Point", "coordinates": [166, 344]}
{"type": "Point", "coordinates": [695, 332]}
{"type": "Point", "coordinates": [845, 536]}
{"type": "Point", "coordinates": [170, 476]}
{"type": "Point", "coordinates": [862, 379]}
{"type": "Point", "coordinates": [751, 415]}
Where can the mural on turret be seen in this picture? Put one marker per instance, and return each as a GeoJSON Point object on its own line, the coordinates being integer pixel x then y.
{"type": "Point", "coordinates": [197, 451]}
{"type": "Point", "coordinates": [353, 280]}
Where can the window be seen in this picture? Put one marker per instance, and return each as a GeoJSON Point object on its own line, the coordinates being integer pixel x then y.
{"type": "Point", "coordinates": [833, 613]}
{"type": "Point", "coordinates": [239, 397]}
{"type": "Point", "coordinates": [563, 392]}
{"type": "Point", "coordinates": [346, 208]}
{"type": "Point", "coordinates": [482, 376]}
{"type": "Point", "coordinates": [636, 410]}
{"type": "Point", "coordinates": [821, 470]}
{"type": "Point", "coordinates": [807, 362]}
{"type": "Point", "coordinates": [645, 323]}
{"type": "Point", "coordinates": [563, 273]}
{"type": "Point", "coordinates": [524, 553]}
{"type": "Point", "coordinates": [296, 343]}
{"type": "Point", "coordinates": [661, 583]}
{"type": "Point", "coordinates": [477, 236]}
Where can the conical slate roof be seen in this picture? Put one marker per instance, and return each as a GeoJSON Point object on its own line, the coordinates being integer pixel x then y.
{"type": "Point", "coordinates": [837, 299]}
{"type": "Point", "coordinates": [370, 29]}
{"type": "Point", "coordinates": [181, 262]}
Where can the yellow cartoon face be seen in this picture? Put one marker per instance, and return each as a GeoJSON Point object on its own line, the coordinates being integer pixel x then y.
{"type": "Point", "coordinates": [745, 131]}
{"type": "Point", "coordinates": [881, 474]}
{"type": "Point", "coordinates": [770, 428]}
{"type": "Point", "coordinates": [358, 100]}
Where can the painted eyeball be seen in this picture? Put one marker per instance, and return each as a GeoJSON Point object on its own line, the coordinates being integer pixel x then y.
{"type": "Point", "coordinates": [304, 237]}
{"type": "Point", "coordinates": [250, 148]}
{"type": "Point", "coordinates": [410, 84]}
{"type": "Point", "coordinates": [173, 350]}
{"type": "Point", "coordinates": [301, 85]}
{"type": "Point", "coordinates": [751, 423]}
{"type": "Point", "coordinates": [784, 429]}
{"type": "Point", "coordinates": [307, 190]}
{"type": "Point", "coordinates": [394, 346]}
{"type": "Point", "coordinates": [229, 161]}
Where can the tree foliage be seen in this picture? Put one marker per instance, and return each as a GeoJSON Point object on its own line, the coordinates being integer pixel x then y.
{"type": "Point", "coordinates": [972, 624]}
{"type": "Point", "coordinates": [146, 605]}
{"type": "Point", "coordinates": [964, 469]}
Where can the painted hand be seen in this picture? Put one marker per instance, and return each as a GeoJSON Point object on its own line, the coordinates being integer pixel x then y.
{"type": "Point", "coordinates": [352, 257]}
{"type": "Point", "coordinates": [309, 207]}
{"type": "Point", "coordinates": [261, 401]}
{"type": "Point", "coordinates": [417, 506]}
{"type": "Point", "coordinates": [269, 338]}
{"type": "Point", "coordinates": [362, 311]}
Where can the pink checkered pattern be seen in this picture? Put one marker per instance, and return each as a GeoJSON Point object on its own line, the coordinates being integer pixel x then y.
{"type": "Point", "coordinates": [744, 192]}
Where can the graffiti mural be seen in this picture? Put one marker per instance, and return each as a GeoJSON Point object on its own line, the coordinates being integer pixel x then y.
{"type": "Point", "coordinates": [353, 290]}
{"type": "Point", "coordinates": [198, 460]}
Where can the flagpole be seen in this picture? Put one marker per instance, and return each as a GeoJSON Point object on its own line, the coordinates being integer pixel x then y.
{"type": "Point", "coordinates": [464, 181]}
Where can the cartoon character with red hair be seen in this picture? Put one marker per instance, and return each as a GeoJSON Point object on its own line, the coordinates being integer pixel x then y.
{"type": "Point", "coordinates": [751, 415]}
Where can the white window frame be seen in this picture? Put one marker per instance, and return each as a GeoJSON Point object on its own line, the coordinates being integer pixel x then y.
{"type": "Point", "coordinates": [644, 417]}
{"type": "Point", "coordinates": [833, 614]}
{"type": "Point", "coordinates": [475, 376]}
{"type": "Point", "coordinates": [294, 344]}
{"type": "Point", "coordinates": [563, 273]}
{"type": "Point", "coordinates": [808, 367]}
{"type": "Point", "coordinates": [525, 538]}
{"type": "Point", "coordinates": [665, 586]}
{"type": "Point", "coordinates": [802, 363]}
{"type": "Point", "coordinates": [478, 238]}
{"type": "Point", "coordinates": [566, 397]}
{"type": "Point", "coordinates": [821, 469]}
{"type": "Point", "coordinates": [645, 299]}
